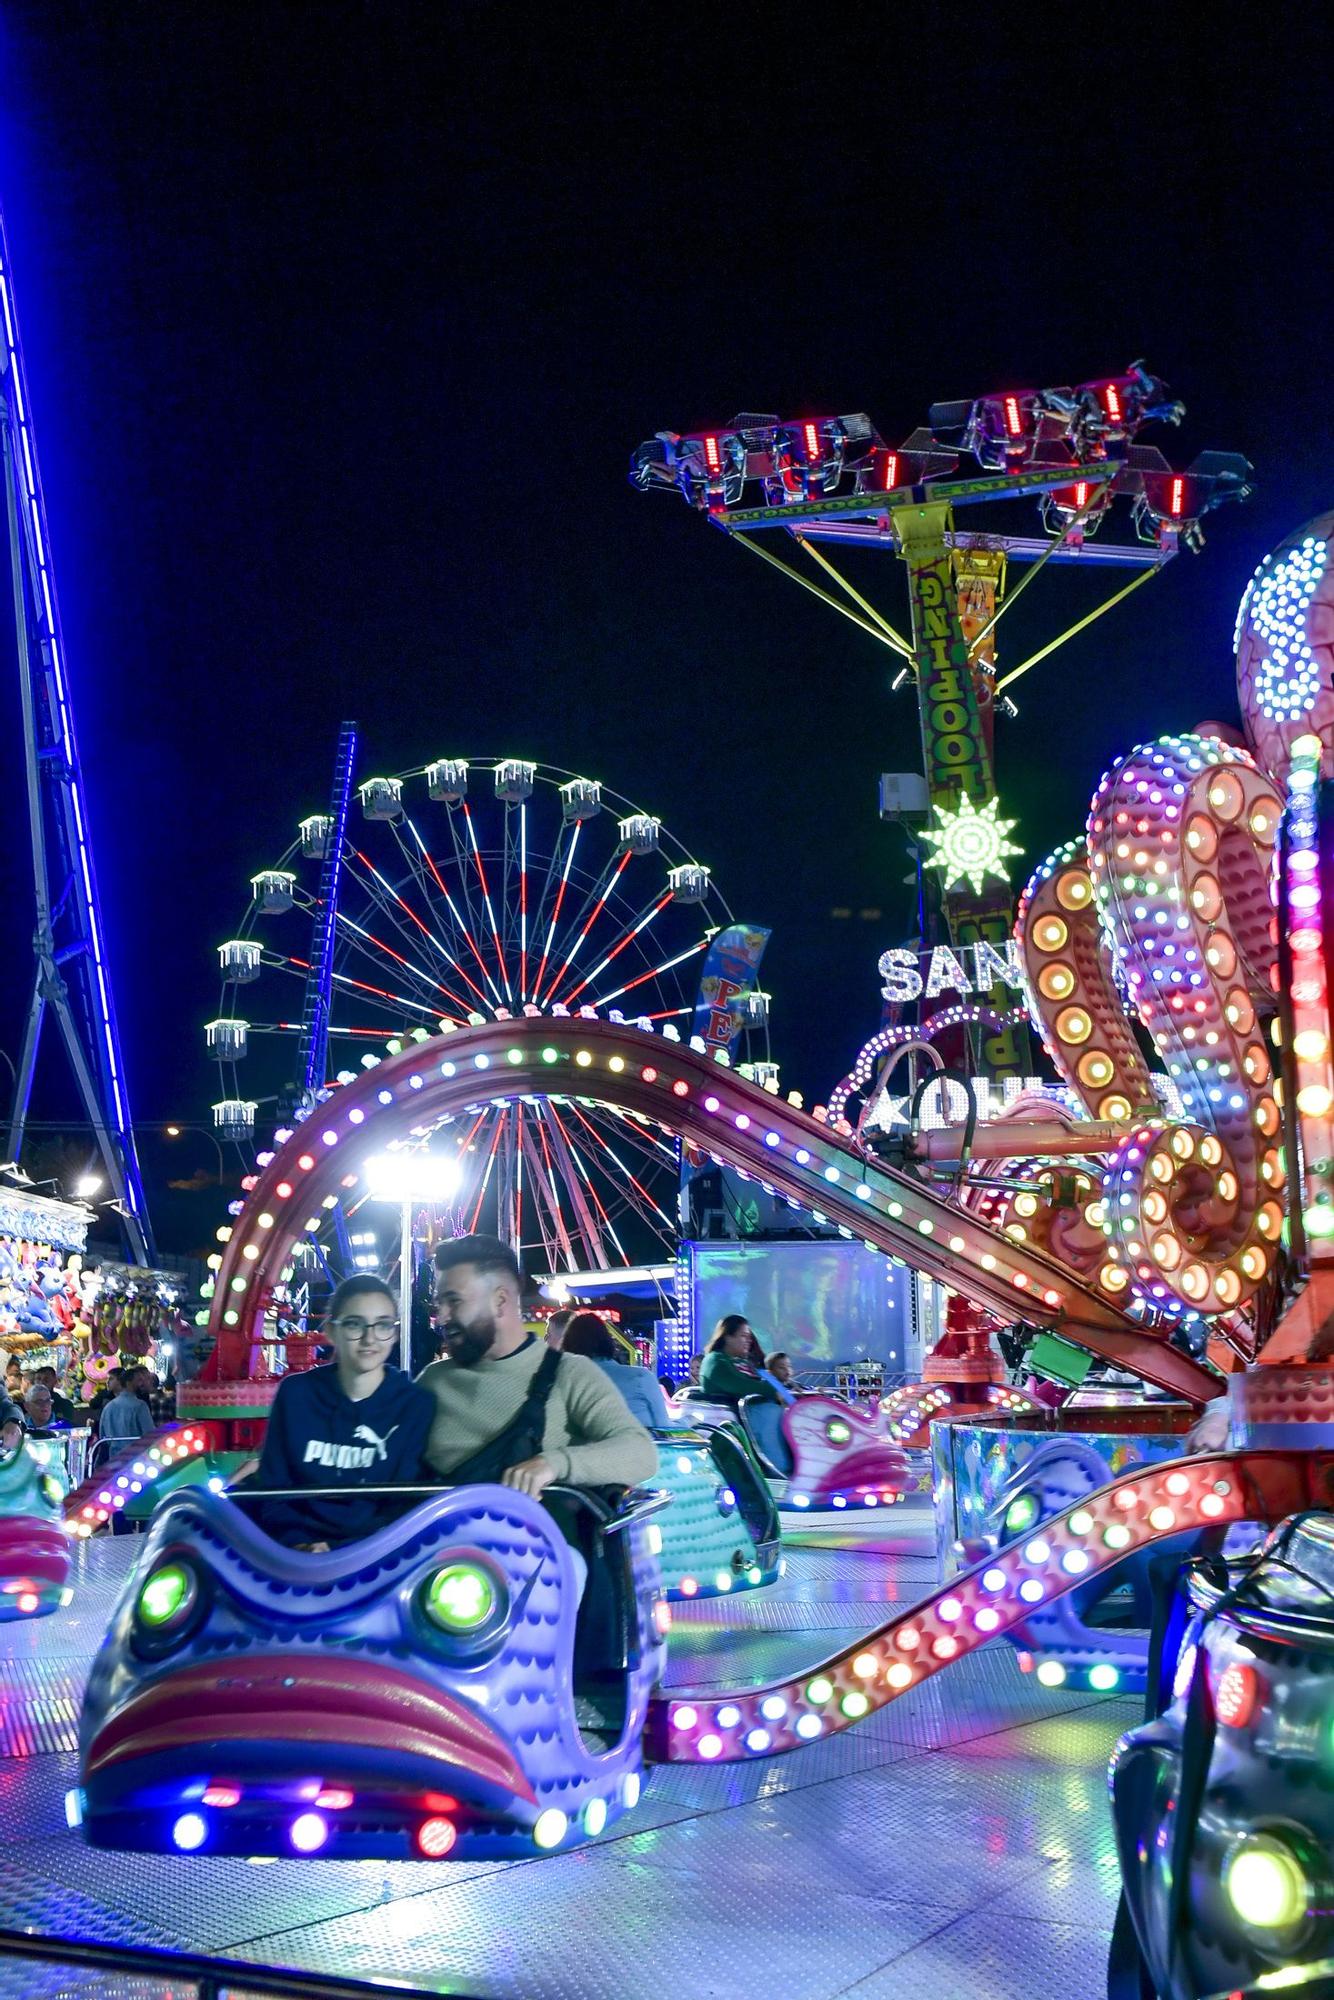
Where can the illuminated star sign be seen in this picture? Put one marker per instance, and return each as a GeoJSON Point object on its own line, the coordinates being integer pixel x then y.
{"type": "Point", "coordinates": [971, 846]}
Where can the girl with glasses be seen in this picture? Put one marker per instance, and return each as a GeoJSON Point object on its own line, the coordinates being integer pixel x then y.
{"type": "Point", "coordinates": [354, 1423]}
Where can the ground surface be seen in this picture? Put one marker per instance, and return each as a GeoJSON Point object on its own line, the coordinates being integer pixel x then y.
{"type": "Point", "coordinates": [958, 1844]}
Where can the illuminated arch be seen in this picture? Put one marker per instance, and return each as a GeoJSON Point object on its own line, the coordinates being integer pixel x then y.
{"type": "Point", "coordinates": [737, 1122]}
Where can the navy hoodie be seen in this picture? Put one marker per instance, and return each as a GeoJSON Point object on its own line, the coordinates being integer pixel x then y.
{"type": "Point", "coordinates": [317, 1436]}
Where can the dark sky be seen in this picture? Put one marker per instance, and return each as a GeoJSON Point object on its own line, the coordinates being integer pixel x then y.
{"type": "Point", "coordinates": [342, 321]}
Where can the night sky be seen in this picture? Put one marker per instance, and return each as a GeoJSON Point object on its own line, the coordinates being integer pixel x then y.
{"type": "Point", "coordinates": [341, 323]}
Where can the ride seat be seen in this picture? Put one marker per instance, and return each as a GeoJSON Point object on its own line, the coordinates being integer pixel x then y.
{"type": "Point", "coordinates": [606, 1636]}
{"type": "Point", "coordinates": [764, 1427]}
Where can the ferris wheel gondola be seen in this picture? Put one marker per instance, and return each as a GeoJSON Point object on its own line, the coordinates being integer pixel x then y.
{"type": "Point", "coordinates": [469, 891]}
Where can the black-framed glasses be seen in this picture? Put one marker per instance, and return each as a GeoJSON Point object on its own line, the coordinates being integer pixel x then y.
{"type": "Point", "coordinates": [381, 1329]}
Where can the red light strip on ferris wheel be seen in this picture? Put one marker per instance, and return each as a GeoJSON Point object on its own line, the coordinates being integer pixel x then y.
{"type": "Point", "coordinates": [668, 965]}
{"type": "Point", "coordinates": [555, 914]}
{"type": "Point", "coordinates": [610, 1150]}
{"type": "Point", "coordinates": [464, 928]}
{"type": "Point", "coordinates": [486, 898]}
{"type": "Point", "coordinates": [418, 971]}
{"type": "Point", "coordinates": [627, 938]}
{"type": "Point", "coordinates": [411, 914]}
{"type": "Point", "coordinates": [584, 1174]}
{"type": "Point", "coordinates": [362, 986]}
{"type": "Point", "coordinates": [597, 910]}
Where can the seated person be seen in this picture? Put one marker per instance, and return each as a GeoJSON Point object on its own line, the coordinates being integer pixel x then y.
{"type": "Point", "coordinates": [777, 1371]}
{"type": "Point", "coordinates": [11, 1423]}
{"type": "Point", "coordinates": [554, 1330]}
{"type": "Point", "coordinates": [509, 1407]}
{"type": "Point", "coordinates": [41, 1419]}
{"type": "Point", "coordinates": [61, 1405]}
{"type": "Point", "coordinates": [586, 1334]}
{"type": "Point", "coordinates": [727, 1374]}
{"type": "Point", "coordinates": [353, 1423]}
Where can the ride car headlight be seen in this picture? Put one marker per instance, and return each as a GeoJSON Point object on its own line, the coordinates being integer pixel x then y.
{"type": "Point", "coordinates": [462, 1598]}
{"type": "Point", "coordinates": [167, 1597]}
{"type": "Point", "coordinates": [1266, 1884]}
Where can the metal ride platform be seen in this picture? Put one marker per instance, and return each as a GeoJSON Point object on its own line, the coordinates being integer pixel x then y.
{"type": "Point", "coordinates": [957, 1843]}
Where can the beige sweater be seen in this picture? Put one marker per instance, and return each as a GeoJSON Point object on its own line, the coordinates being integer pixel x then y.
{"type": "Point", "coordinates": [590, 1438]}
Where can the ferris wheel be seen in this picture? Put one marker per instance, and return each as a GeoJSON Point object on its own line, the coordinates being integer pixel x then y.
{"type": "Point", "coordinates": [467, 890]}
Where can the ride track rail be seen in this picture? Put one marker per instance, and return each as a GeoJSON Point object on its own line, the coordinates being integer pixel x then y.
{"type": "Point", "coordinates": [738, 1123]}
{"type": "Point", "coordinates": [985, 1602]}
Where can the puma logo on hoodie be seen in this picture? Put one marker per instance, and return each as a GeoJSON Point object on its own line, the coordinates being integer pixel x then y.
{"type": "Point", "coordinates": [350, 1457]}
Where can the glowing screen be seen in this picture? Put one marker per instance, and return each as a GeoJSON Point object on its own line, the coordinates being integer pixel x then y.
{"type": "Point", "coordinates": [820, 1302]}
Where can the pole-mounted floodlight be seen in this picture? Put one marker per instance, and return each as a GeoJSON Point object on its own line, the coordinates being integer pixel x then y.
{"type": "Point", "coordinates": [410, 1178]}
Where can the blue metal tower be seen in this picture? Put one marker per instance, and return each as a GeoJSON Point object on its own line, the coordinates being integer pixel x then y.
{"type": "Point", "coordinates": [72, 979]}
{"type": "Point", "coordinates": [319, 983]}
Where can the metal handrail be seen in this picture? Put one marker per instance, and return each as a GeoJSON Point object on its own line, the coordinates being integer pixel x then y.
{"type": "Point", "coordinates": [638, 1504]}
{"type": "Point", "coordinates": [212, 1978]}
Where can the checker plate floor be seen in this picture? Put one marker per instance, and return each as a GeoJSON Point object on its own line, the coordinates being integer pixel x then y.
{"type": "Point", "coordinates": [957, 1843]}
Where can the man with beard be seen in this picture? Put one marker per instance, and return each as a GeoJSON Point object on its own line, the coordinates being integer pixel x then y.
{"type": "Point", "coordinates": [510, 1408]}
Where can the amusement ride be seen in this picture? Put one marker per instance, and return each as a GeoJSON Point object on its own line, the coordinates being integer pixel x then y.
{"type": "Point", "coordinates": [501, 962]}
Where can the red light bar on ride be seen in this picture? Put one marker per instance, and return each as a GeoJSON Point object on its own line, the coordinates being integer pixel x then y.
{"type": "Point", "coordinates": [811, 437]}
{"type": "Point", "coordinates": [713, 457]}
{"type": "Point", "coordinates": [1111, 402]}
{"type": "Point", "coordinates": [1014, 416]}
{"type": "Point", "coordinates": [1176, 503]}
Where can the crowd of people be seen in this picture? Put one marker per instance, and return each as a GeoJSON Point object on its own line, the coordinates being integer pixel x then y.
{"type": "Point", "coordinates": [346, 1441]}
{"type": "Point", "coordinates": [130, 1403]}
{"type": "Point", "coordinates": [502, 1403]}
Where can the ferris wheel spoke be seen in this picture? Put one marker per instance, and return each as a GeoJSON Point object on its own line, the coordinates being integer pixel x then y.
{"type": "Point", "coordinates": [580, 1188]}
{"type": "Point", "coordinates": [485, 1179]}
{"type": "Point", "coordinates": [656, 972]}
{"type": "Point", "coordinates": [365, 939]}
{"type": "Point", "coordinates": [627, 937]}
{"type": "Point", "coordinates": [645, 1197]}
{"type": "Point", "coordinates": [646, 1141]}
{"type": "Point", "coordinates": [463, 926]}
{"type": "Point", "coordinates": [388, 898]}
{"type": "Point", "coordinates": [598, 907]}
{"type": "Point", "coordinates": [486, 898]}
{"type": "Point", "coordinates": [471, 926]}
{"type": "Point", "coordinates": [561, 887]}
{"type": "Point", "coordinates": [546, 1200]}
{"type": "Point", "coordinates": [399, 1001]}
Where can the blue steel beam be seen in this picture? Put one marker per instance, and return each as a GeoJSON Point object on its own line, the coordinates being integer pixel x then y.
{"type": "Point", "coordinates": [72, 975]}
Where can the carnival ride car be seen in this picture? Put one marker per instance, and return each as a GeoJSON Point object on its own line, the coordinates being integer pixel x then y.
{"type": "Point", "coordinates": [440, 1687]}
{"type": "Point", "coordinates": [721, 1532]}
{"type": "Point", "coordinates": [819, 1450]}
{"type": "Point", "coordinates": [1223, 1810]}
{"type": "Point", "coordinates": [34, 1543]}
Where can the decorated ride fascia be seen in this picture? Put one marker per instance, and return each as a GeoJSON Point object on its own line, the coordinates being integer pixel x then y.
{"type": "Point", "coordinates": [988, 1601]}
{"type": "Point", "coordinates": [1181, 840]}
{"type": "Point", "coordinates": [1175, 886]}
{"type": "Point", "coordinates": [34, 1545]}
{"type": "Point", "coordinates": [412, 1694]}
{"type": "Point", "coordinates": [114, 1487]}
{"type": "Point", "coordinates": [202, 1399]}
{"type": "Point", "coordinates": [736, 1122]}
